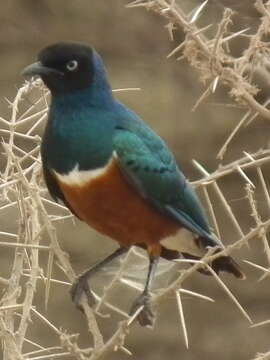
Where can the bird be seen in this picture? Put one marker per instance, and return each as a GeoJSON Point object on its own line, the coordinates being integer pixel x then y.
{"type": "Point", "coordinates": [113, 172]}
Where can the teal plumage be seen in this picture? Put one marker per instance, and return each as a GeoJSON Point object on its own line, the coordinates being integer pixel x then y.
{"type": "Point", "coordinates": [76, 124]}
{"type": "Point", "coordinates": [87, 129]}
{"type": "Point", "coordinates": [151, 168]}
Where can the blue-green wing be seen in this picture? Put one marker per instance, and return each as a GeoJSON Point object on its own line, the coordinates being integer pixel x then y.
{"type": "Point", "coordinates": [150, 167]}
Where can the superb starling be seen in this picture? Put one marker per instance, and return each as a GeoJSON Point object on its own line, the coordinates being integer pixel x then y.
{"type": "Point", "coordinates": [115, 173]}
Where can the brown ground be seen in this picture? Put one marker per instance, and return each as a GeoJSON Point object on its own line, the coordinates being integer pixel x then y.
{"type": "Point", "coordinates": [134, 45]}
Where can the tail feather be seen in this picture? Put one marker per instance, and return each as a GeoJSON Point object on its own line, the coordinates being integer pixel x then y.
{"type": "Point", "coordinates": [221, 264]}
{"type": "Point", "coordinates": [228, 264]}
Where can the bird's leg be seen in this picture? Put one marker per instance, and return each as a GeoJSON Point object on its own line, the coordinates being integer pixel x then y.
{"type": "Point", "coordinates": [81, 285]}
{"type": "Point", "coordinates": [146, 316]}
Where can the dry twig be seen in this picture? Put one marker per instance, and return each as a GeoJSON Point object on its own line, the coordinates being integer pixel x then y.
{"type": "Point", "coordinates": [23, 192]}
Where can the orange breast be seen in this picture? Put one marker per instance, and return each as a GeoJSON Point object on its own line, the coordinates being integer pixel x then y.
{"type": "Point", "coordinates": [110, 205]}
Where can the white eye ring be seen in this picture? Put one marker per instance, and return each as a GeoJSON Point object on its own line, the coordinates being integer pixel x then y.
{"type": "Point", "coordinates": [72, 65]}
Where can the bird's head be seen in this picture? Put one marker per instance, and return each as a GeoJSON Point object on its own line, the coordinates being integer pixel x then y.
{"type": "Point", "coordinates": [66, 67]}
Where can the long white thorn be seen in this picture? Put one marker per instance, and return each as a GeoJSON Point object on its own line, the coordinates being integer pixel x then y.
{"type": "Point", "coordinates": [198, 12]}
{"type": "Point", "coordinates": [182, 317]}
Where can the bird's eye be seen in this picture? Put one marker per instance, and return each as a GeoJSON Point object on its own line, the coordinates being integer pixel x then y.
{"type": "Point", "coordinates": [72, 65]}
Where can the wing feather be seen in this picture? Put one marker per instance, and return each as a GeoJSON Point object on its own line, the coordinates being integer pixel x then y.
{"type": "Point", "coordinates": [150, 167]}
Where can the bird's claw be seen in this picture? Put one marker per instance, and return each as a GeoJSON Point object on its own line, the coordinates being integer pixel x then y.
{"type": "Point", "coordinates": [146, 316]}
{"type": "Point", "coordinates": [79, 288]}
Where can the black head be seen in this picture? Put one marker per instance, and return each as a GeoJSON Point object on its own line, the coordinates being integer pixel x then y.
{"type": "Point", "coordinates": [64, 67]}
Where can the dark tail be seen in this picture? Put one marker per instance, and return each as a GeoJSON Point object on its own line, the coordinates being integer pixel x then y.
{"type": "Point", "coordinates": [221, 264]}
{"type": "Point", "coordinates": [229, 265]}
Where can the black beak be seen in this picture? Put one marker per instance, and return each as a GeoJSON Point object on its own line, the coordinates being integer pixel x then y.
{"type": "Point", "coordinates": [37, 69]}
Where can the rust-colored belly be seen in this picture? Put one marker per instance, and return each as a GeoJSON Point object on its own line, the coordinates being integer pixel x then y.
{"type": "Point", "coordinates": [110, 205]}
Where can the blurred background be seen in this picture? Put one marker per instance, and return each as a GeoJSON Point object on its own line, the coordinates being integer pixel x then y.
{"type": "Point", "coordinates": [134, 44]}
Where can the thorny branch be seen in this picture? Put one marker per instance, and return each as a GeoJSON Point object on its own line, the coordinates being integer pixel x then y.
{"type": "Point", "coordinates": [212, 57]}
{"type": "Point", "coordinates": [23, 191]}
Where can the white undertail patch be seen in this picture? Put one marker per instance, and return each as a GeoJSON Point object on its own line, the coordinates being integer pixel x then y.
{"type": "Point", "coordinates": [184, 241]}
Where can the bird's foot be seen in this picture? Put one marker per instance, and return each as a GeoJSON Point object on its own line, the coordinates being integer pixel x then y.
{"type": "Point", "coordinates": [79, 288]}
{"type": "Point", "coordinates": [146, 316]}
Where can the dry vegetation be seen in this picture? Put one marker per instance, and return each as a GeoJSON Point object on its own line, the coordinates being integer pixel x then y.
{"type": "Point", "coordinates": [22, 188]}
